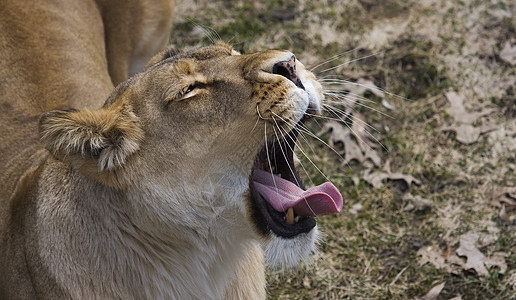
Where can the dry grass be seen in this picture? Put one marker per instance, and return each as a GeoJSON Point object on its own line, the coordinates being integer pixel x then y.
{"type": "Point", "coordinates": [422, 50]}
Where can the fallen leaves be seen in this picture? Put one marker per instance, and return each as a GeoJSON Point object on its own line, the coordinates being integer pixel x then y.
{"type": "Point", "coordinates": [416, 203]}
{"type": "Point", "coordinates": [505, 200]}
{"type": "Point", "coordinates": [459, 112]}
{"type": "Point", "coordinates": [356, 208]}
{"type": "Point", "coordinates": [475, 259]}
{"type": "Point", "coordinates": [377, 178]}
{"type": "Point", "coordinates": [355, 142]}
{"type": "Point", "coordinates": [432, 255]}
{"type": "Point", "coordinates": [508, 53]}
{"type": "Point", "coordinates": [433, 293]}
{"type": "Point", "coordinates": [505, 196]}
{"type": "Point", "coordinates": [467, 134]}
{"type": "Point", "coordinates": [463, 120]}
{"type": "Point", "coordinates": [356, 138]}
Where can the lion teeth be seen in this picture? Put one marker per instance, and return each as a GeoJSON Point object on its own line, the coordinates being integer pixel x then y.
{"type": "Point", "coordinates": [290, 215]}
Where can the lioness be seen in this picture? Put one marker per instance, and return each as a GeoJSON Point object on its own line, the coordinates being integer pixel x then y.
{"type": "Point", "coordinates": [175, 187]}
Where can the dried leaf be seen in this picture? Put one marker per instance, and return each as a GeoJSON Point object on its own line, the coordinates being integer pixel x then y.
{"type": "Point", "coordinates": [360, 130]}
{"type": "Point", "coordinates": [356, 208]}
{"type": "Point", "coordinates": [505, 197]}
{"type": "Point", "coordinates": [475, 259]}
{"type": "Point", "coordinates": [306, 283]}
{"type": "Point", "coordinates": [455, 260]}
{"type": "Point", "coordinates": [432, 255]}
{"type": "Point", "coordinates": [417, 203]}
{"type": "Point", "coordinates": [375, 178]}
{"type": "Point", "coordinates": [503, 214]}
{"type": "Point", "coordinates": [354, 141]}
{"type": "Point", "coordinates": [373, 155]}
{"type": "Point", "coordinates": [458, 111]}
{"type": "Point", "coordinates": [434, 292]}
{"type": "Point", "coordinates": [352, 150]}
{"type": "Point", "coordinates": [505, 200]}
{"type": "Point", "coordinates": [409, 179]}
{"type": "Point", "coordinates": [356, 179]}
{"type": "Point", "coordinates": [387, 105]}
{"type": "Point", "coordinates": [467, 134]}
{"type": "Point", "coordinates": [508, 54]}
{"type": "Point", "coordinates": [362, 136]}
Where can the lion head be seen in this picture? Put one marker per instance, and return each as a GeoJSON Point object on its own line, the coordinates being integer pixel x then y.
{"type": "Point", "coordinates": [201, 146]}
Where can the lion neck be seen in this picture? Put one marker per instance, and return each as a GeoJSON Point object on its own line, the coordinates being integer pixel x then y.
{"type": "Point", "coordinates": [162, 248]}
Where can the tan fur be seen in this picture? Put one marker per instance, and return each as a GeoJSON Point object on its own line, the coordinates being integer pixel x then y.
{"type": "Point", "coordinates": [246, 284]}
{"type": "Point", "coordinates": [147, 196]}
{"type": "Point", "coordinates": [134, 31]}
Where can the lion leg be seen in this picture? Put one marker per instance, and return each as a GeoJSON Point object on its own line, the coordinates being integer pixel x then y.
{"type": "Point", "coordinates": [135, 30]}
{"type": "Point", "coordinates": [249, 281]}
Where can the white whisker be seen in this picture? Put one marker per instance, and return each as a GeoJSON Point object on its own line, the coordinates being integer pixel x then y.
{"type": "Point", "coordinates": [329, 60]}
{"type": "Point", "coordinates": [351, 61]}
{"type": "Point", "coordinates": [291, 170]}
{"type": "Point", "coordinates": [363, 105]}
{"type": "Point", "coordinates": [269, 160]}
{"type": "Point", "coordinates": [256, 124]}
{"type": "Point", "coordinates": [319, 116]}
{"type": "Point", "coordinates": [281, 148]}
{"type": "Point", "coordinates": [209, 32]}
{"type": "Point", "coordinates": [258, 111]}
{"type": "Point", "coordinates": [299, 146]}
{"type": "Point", "coordinates": [337, 81]}
{"type": "Point", "coordinates": [313, 135]}
{"type": "Point", "coordinates": [345, 96]}
{"type": "Point", "coordinates": [339, 113]}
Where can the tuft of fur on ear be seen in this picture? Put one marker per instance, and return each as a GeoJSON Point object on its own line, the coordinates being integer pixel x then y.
{"type": "Point", "coordinates": [107, 136]}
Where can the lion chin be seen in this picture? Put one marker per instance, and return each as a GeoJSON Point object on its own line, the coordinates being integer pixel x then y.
{"type": "Point", "coordinates": [178, 183]}
{"type": "Point", "coordinates": [288, 253]}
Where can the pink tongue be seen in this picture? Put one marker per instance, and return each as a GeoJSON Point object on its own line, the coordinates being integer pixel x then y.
{"type": "Point", "coordinates": [282, 194]}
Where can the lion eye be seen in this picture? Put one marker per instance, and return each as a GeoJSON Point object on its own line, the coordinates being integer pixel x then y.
{"type": "Point", "coordinates": [186, 92]}
{"type": "Point", "coordinates": [196, 85]}
{"type": "Point", "coordinates": [189, 89]}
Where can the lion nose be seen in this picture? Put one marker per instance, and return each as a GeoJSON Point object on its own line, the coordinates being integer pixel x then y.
{"type": "Point", "coordinates": [287, 69]}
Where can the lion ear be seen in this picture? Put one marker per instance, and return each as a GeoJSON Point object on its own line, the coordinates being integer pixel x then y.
{"type": "Point", "coordinates": [169, 52]}
{"type": "Point", "coordinates": [106, 136]}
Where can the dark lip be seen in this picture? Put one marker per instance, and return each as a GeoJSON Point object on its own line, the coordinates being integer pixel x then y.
{"type": "Point", "coordinates": [265, 217]}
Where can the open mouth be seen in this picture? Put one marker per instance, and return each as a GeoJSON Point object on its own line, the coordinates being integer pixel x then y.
{"type": "Point", "coordinates": [279, 202]}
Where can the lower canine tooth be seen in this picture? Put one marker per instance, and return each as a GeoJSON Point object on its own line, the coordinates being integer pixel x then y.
{"type": "Point", "coordinates": [290, 215]}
